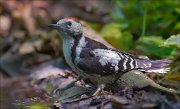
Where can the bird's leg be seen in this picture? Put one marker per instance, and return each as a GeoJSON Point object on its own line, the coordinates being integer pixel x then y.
{"type": "Point", "coordinates": [101, 83]}
{"type": "Point", "coordinates": [100, 88]}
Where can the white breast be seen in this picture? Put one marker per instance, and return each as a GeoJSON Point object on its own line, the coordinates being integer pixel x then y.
{"type": "Point", "coordinates": [67, 50]}
{"type": "Point", "coordinates": [67, 45]}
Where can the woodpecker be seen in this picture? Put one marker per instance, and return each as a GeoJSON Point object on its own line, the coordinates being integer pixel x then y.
{"type": "Point", "coordinates": [93, 60]}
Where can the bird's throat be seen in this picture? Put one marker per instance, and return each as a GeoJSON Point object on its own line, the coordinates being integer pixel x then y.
{"type": "Point", "coordinates": [67, 46]}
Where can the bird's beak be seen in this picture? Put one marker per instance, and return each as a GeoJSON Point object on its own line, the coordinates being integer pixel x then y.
{"type": "Point", "coordinates": [53, 26]}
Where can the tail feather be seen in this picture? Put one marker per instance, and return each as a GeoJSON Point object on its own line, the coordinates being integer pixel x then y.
{"type": "Point", "coordinates": [156, 66]}
{"type": "Point", "coordinates": [155, 70]}
{"type": "Point", "coordinates": [160, 63]}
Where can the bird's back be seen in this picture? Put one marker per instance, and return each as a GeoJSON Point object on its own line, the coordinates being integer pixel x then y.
{"type": "Point", "coordinates": [97, 58]}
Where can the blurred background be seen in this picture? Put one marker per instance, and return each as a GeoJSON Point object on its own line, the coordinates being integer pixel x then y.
{"type": "Point", "coordinates": [141, 27]}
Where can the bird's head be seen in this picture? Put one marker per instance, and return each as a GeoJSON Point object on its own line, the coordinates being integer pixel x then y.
{"type": "Point", "coordinates": [68, 27]}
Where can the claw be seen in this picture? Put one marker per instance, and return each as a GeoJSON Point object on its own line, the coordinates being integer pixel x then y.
{"type": "Point", "coordinates": [99, 90]}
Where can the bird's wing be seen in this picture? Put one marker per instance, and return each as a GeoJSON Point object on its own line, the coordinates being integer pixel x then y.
{"type": "Point", "coordinates": [105, 61]}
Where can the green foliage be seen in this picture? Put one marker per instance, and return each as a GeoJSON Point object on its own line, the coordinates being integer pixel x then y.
{"type": "Point", "coordinates": [154, 46]}
{"type": "Point", "coordinates": [37, 106]}
{"type": "Point", "coordinates": [173, 40]}
{"type": "Point", "coordinates": [111, 29]}
{"type": "Point", "coordinates": [126, 41]}
{"type": "Point", "coordinates": [94, 26]}
{"type": "Point", "coordinates": [115, 35]}
{"type": "Point", "coordinates": [153, 21]}
{"type": "Point", "coordinates": [163, 16]}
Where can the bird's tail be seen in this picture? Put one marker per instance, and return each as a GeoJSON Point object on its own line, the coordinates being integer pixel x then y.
{"type": "Point", "coordinates": [156, 66]}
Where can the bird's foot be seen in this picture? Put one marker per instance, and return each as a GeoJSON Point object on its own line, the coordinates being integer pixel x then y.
{"type": "Point", "coordinates": [99, 90]}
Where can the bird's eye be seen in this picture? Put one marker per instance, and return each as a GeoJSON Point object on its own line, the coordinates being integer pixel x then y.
{"type": "Point", "coordinates": [69, 24]}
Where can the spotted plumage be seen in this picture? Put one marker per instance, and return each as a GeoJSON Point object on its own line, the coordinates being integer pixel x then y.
{"type": "Point", "coordinates": [94, 60]}
{"type": "Point", "coordinates": [102, 60]}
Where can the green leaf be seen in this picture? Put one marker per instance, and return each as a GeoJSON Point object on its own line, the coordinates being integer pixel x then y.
{"type": "Point", "coordinates": [38, 106]}
{"type": "Point", "coordinates": [177, 26]}
{"type": "Point", "coordinates": [111, 32]}
{"type": "Point", "coordinates": [118, 13]}
{"type": "Point", "coordinates": [157, 22]}
{"type": "Point", "coordinates": [153, 39]}
{"type": "Point", "coordinates": [126, 41]}
{"type": "Point", "coordinates": [154, 46]}
{"type": "Point", "coordinates": [173, 40]}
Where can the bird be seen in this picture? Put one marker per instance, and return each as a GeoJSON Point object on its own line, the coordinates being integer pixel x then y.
{"type": "Point", "coordinates": [93, 60]}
